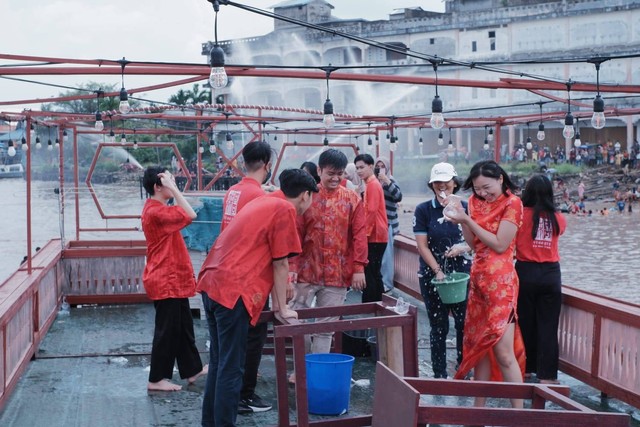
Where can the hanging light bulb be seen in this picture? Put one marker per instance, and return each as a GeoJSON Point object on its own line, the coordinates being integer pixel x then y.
{"type": "Point", "coordinates": [112, 136]}
{"type": "Point", "coordinates": [32, 131]}
{"type": "Point", "coordinates": [229, 141]}
{"type": "Point", "coordinates": [450, 146]}
{"type": "Point", "coordinates": [38, 143]}
{"type": "Point", "coordinates": [437, 119]}
{"type": "Point", "coordinates": [578, 142]}
{"type": "Point", "coordinates": [598, 120]}
{"type": "Point", "coordinates": [540, 135]}
{"type": "Point", "coordinates": [65, 135]}
{"type": "Point", "coordinates": [11, 150]}
{"type": "Point", "coordinates": [218, 76]}
{"type": "Point", "coordinates": [200, 149]}
{"type": "Point", "coordinates": [24, 146]}
{"type": "Point", "coordinates": [135, 144]}
{"type": "Point", "coordinates": [328, 119]}
{"type": "Point", "coordinates": [490, 136]}
{"type": "Point", "coordinates": [212, 147]}
{"type": "Point", "coordinates": [49, 145]}
{"type": "Point", "coordinates": [325, 142]}
{"type": "Point", "coordinates": [393, 145]}
{"type": "Point", "coordinates": [440, 139]}
{"type": "Point", "coordinates": [486, 145]}
{"type": "Point", "coordinates": [529, 145]}
{"type": "Point", "coordinates": [124, 106]}
{"type": "Point", "coordinates": [568, 130]}
{"type": "Point", "coordinates": [123, 138]}
{"type": "Point", "coordinates": [369, 141]}
{"type": "Point", "coordinates": [57, 143]}
{"type": "Point", "coordinates": [99, 126]}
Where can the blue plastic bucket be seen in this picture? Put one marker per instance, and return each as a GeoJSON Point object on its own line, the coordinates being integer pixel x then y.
{"type": "Point", "coordinates": [328, 382]}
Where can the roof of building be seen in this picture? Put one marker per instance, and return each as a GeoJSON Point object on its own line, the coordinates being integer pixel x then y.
{"type": "Point", "coordinates": [290, 3]}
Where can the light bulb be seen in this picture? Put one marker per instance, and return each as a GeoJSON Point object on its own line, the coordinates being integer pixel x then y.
{"type": "Point", "coordinates": [24, 145]}
{"type": "Point", "coordinates": [38, 143]}
{"type": "Point", "coordinates": [540, 135]}
{"type": "Point", "coordinates": [328, 119]}
{"type": "Point", "coordinates": [437, 119]}
{"type": "Point", "coordinates": [11, 151]}
{"type": "Point", "coordinates": [490, 136]}
{"type": "Point", "coordinates": [112, 137]}
{"type": "Point", "coordinates": [393, 146]}
{"type": "Point", "coordinates": [450, 147]}
{"type": "Point", "coordinates": [598, 119]}
{"type": "Point", "coordinates": [212, 148]}
{"type": "Point", "coordinates": [201, 149]}
{"type": "Point", "coordinates": [65, 136]}
{"type": "Point", "coordinates": [568, 131]}
{"type": "Point", "coordinates": [229, 141]}
{"type": "Point", "coordinates": [369, 141]}
{"type": "Point", "coordinates": [486, 145]}
{"type": "Point", "coordinates": [135, 144]}
{"type": "Point", "coordinates": [49, 145]}
{"type": "Point", "coordinates": [57, 143]}
{"type": "Point", "coordinates": [325, 142]}
{"type": "Point", "coordinates": [440, 139]}
{"type": "Point", "coordinates": [577, 142]}
{"type": "Point", "coordinates": [123, 139]}
{"type": "Point", "coordinates": [218, 76]}
{"type": "Point", "coordinates": [124, 101]}
{"type": "Point", "coordinates": [529, 145]}
{"type": "Point", "coordinates": [32, 131]}
{"type": "Point", "coordinates": [99, 126]}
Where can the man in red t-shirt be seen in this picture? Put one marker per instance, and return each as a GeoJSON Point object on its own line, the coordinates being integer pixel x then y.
{"type": "Point", "coordinates": [257, 161]}
{"type": "Point", "coordinates": [169, 282]}
{"type": "Point", "coordinates": [248, 261]}
{"type": "Point", "coordinates": [377, 227]}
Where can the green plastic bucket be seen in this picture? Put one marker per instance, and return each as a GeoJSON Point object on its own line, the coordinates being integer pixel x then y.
{"type": "Point", "coordinates": [453, 288]}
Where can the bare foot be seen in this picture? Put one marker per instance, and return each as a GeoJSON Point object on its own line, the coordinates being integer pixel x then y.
{"type": "Point", "coordinates": [205, 371]}
{"type": "Point", "coordinates": [163, 385]}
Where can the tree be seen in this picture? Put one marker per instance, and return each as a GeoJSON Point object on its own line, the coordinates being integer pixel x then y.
{"type": "Point", "coordinates": [180, 98]}
{"type": "Point", "coordinates": [193, 96]}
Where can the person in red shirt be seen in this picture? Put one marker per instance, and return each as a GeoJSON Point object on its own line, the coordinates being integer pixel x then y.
{"type": "Point", "coordinates": [376, 225]}
{"type": "Point", "coordinates": [538, 268]}
{"type": "Point", "coordinates": [168, 280]}
{"type": "Point", "coordinates": [248, 260]}
{"type": "Point", "coordinates": [324, 271]}
{"type": "Point", "coordinates": [257, 161]}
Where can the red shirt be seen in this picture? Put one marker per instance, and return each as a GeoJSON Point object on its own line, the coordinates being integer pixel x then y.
{"type": "Point", "coordinates": [334, 240]}
{"type": "Point", "coordinates": [168, 272]}
{"type": "Point", "coordinates": [237, 196]}
{"type": "Point", "coordinates": [375, 211]}
{"type": "Point", "coordinates": [239, 264]}
{"type": "Point", "coordinates": [544, 248]}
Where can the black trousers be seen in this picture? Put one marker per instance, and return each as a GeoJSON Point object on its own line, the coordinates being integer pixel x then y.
{"type": "Point", "coordinates": [539, 303]}
{"type": "Point", "coordinates": [256, 338]}
{"type": "Point", "coordinates": [372, 274]}
{"type": "Point", "coordinates": [173, 341]}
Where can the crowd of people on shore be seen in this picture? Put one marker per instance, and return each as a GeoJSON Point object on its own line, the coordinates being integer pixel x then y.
{"type": "Point", "coordinates": [327, 230]}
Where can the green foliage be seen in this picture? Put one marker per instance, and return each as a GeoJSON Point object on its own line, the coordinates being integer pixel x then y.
{"type": "Point", "coordinates": [193, 96]}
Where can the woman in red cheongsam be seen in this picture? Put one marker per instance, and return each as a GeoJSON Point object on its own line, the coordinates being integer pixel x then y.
{"type": "Point", "coordinates": [493, 346]}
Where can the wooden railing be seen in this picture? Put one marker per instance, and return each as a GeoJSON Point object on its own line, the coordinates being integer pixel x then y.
{"type": "Point", "coordinates": [599, 337]}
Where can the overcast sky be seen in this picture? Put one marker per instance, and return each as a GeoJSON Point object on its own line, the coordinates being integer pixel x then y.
{"type": "Point", "coordinates": [140, 30]}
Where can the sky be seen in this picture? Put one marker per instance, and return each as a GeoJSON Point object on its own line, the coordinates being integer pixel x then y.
{"type": "Point", "coordinates": [140, 30]}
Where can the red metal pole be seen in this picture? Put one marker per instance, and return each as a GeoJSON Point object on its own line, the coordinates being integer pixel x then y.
{"type": "Point", "coordinates": [496, 149]}
{"type": "Point", "coordinates": [28, 178]}
{"type": "Point", "coordinates": [76, 181]}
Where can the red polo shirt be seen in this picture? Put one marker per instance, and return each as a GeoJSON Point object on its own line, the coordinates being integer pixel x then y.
{"type": "Point", "coordinates": [239, 264]}
{"type": "Point", "coordinates": [168, 272]}
{"type": "Point", "coordinates": [375, 211]}
{"type": "Point", "coordinates": [237, 196]}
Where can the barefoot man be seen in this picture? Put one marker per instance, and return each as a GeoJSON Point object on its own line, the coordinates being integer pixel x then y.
{"type": "Point", "coordinates": [169, 281]}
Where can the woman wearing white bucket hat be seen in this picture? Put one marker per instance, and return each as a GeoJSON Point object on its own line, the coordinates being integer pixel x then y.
{"type": "Point", "coordinates": [441, 247]}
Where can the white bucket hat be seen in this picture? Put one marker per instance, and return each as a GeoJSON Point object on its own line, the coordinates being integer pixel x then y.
{"type": "Point", "coordinates": [442, 172]}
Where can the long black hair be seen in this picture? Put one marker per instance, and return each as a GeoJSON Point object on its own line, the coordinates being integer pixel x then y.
{"type": "Point", "coordinates": [538, 194]}
{"type": "Point", "coordinates": [490, 169]}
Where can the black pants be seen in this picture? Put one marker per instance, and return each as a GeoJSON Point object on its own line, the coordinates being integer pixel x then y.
{"type": "Point", "coordinates": [173, 341]}
{"type": "Point", "coordinates": [372, 274]}
{"type": "Point", "coordinates": [256, 338]}
{"type": "Point", "coordinates": [539, 303]}
{"type": "Point", "coordinates": [438, 313]}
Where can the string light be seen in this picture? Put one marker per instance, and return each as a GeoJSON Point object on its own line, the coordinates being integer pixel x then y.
{"type": "Point", "coordinates": [99, 125]}
{"type": "Point", "coordinates": [124, 106]}
{"type": "Point", "coordinates": [578, 142]}
{"type": "Point", "coordinates": [490, 136]}
{"type": "Point", "coordinates": [218, 76]}
{"type": "Point", "coordinates": [440, 139]}
{"type": "Point", "coordinates": [328, 119]}
{"type": "Point", "coordinates": [24, 146]}
{"type": "Point", "coordinates": [568, 130]}
{"type": "Point", "coordinates": [437, 119]}
{"type": "Point", "coordinates": [598, 119]}
{"type": "Point", "coordinates": [540, 135]}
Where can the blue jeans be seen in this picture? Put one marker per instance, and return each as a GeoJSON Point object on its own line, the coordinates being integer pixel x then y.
{"type": "Point", "coordinates": [228, 330]}
{"type": "Point", "coordinates": [387, 269]}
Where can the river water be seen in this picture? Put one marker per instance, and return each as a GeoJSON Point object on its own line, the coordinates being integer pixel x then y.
{"type": "Point", "coordinates": [598, 254]}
